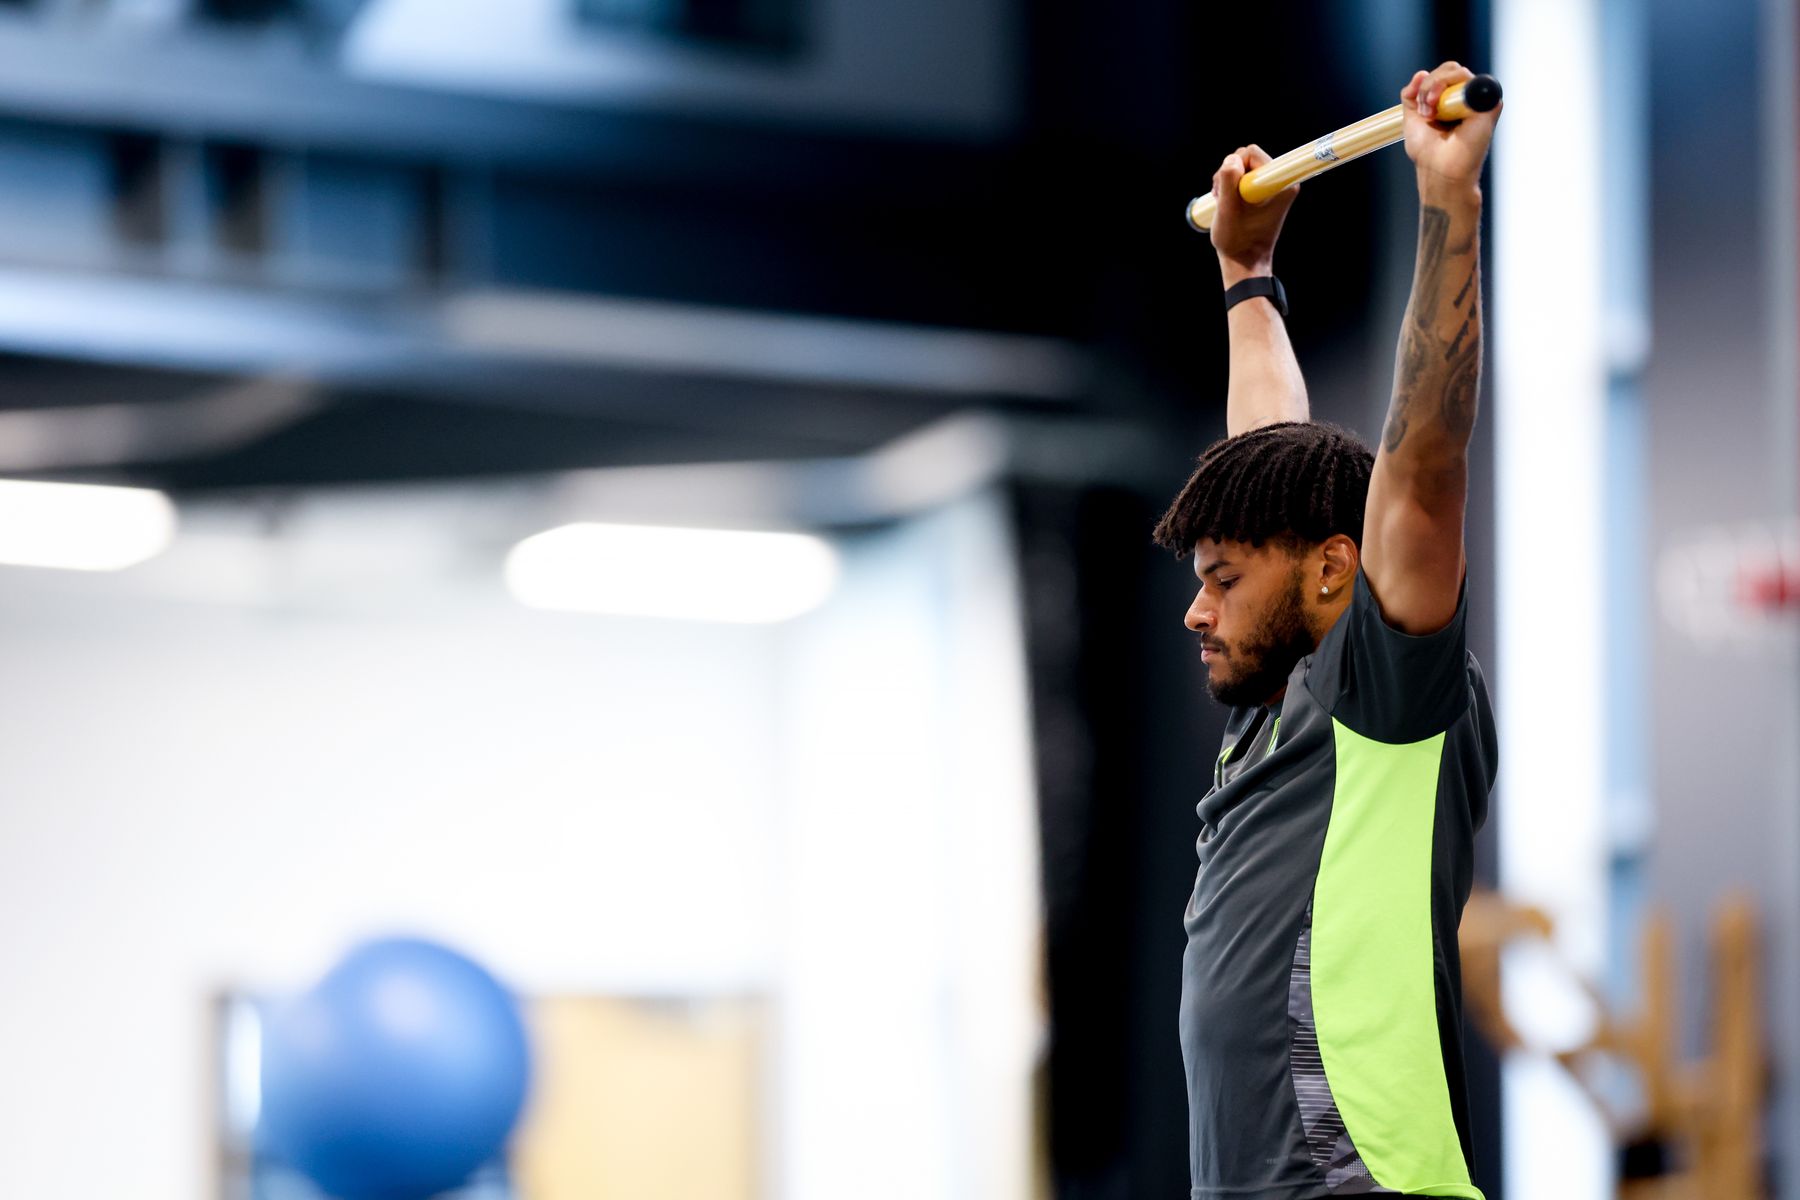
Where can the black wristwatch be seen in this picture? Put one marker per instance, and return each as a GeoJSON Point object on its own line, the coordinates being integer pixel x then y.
{"type": "Point", "coordinates": [1261, 285]}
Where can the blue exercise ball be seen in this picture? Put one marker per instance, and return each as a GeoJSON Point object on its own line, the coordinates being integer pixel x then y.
{"type": "Point", "coordinates": [396, 1076]}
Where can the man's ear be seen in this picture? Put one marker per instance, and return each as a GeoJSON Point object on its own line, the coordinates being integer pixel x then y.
{"type": "Point", "coordinates": [1338, 559]}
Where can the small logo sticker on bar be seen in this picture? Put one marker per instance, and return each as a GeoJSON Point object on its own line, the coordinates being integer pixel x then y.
{"type": "Point", "coordinates": [1322, 150]}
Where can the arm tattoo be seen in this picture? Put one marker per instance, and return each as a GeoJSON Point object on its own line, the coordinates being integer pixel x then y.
{"type": "Point", "coordinates": [1457, 344]}
{"type": "Point", "coordinates": [1438, 374]}
{"type": "Point", "coordinates": [1400, 410]}
{"type": "Point", "coordinates": [1467, 284]}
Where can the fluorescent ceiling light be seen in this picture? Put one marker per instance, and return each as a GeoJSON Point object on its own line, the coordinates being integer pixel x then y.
{"type": "Point", "coordinates": [82, 527]}
{"type": "Point", "coordinates": [721, 575]}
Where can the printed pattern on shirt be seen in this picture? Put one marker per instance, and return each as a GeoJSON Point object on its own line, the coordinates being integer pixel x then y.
{"type": "Point", "coordinates": [1329, 1142]}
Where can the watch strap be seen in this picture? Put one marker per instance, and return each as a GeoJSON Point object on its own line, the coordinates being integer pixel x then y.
{"type": "Point", "coordinates": [1260, 285]}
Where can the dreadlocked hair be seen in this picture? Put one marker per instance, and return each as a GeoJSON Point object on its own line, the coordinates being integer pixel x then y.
{"type": "Point", "coordinates": [1293, 482]}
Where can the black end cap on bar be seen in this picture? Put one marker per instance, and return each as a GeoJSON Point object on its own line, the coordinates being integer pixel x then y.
{"type": "Point", "coordinates": [1482, 93]}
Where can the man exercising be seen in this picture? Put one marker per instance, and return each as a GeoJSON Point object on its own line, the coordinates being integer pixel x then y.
{"type": "Point", "coordinates": [1321, 989]}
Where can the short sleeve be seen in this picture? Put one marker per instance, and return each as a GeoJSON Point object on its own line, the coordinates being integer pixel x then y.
{"type": "Point", "coordinates": [1388, 685]}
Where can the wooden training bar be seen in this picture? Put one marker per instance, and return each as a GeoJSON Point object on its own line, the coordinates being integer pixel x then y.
{"type": "Point", "coordinates": [1459, 101]}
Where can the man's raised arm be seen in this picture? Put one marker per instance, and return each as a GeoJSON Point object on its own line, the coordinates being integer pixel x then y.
{"type": "Point", "coordinates": [1265, 382]}
{"type": "Point", "coordinates": [1412, 548]}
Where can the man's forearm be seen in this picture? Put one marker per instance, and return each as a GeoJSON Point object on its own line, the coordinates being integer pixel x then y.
{"type": "Point", "coordinates": [1265, 384]}
{"type": "Point", "coordinates": [1437, 369]}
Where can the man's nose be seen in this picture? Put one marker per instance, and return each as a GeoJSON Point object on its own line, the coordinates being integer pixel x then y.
{"type": "Point", "coordinates": [1200, 617]}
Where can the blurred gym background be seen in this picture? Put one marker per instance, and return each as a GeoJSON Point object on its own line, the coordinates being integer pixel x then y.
{"type": "Point", "coordinates": [850, 862]}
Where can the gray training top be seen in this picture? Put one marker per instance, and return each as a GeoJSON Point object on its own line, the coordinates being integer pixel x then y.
{"type": "Point", "coordinates": [1321, 988]}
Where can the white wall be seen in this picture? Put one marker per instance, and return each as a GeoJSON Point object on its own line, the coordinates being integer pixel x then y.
{"type": "Point", "coordinates": [365, 734]}
{"type": "Point", "coordinates": [912, 954]}
{"type": "Point", "coordinates": [201, 796]}
{"type": "Point", "coordinates": [1550, 377]}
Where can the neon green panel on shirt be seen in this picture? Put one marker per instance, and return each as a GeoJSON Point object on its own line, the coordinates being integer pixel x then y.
{"type": "Point", "coordinates": [1373, 990]}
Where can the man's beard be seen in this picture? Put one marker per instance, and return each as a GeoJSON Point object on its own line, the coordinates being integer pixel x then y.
{"type": "Point", "coordinates": [1265, 659]}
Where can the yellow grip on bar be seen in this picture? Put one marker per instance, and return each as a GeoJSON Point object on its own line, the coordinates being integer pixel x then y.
{"type": "Point", "coordinates": [1459, 101]}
